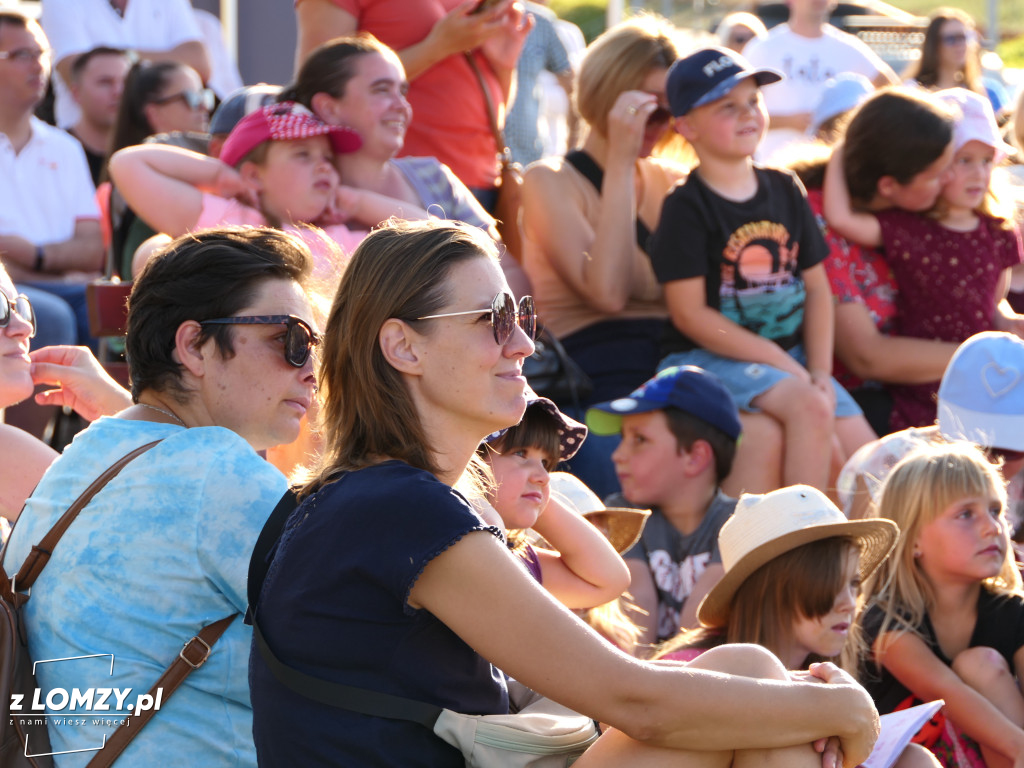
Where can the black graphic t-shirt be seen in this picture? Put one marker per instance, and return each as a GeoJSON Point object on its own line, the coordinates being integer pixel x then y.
{"type": "Point", "coordinates": [750, 253]}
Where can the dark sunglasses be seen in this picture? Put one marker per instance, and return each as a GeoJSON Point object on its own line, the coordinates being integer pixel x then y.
{"type": "Point", "coordinates": [194, 99]}
{"type": "Point", "coordinates": [957, 38]}
{"type": "Point", "coordinates": [22, 308]}
{"type": "Point", "coordinates": [299, 338]}
{"type": "Point", "coordinates": [504, 317]}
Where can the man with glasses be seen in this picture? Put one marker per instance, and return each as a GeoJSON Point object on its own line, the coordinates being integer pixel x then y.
{"type": "Point", "coordinates": [808, 52]}
{"type": "Point", "coordinates": [49, 224]}
{"type": "Point", "coordinates": [154, 30]}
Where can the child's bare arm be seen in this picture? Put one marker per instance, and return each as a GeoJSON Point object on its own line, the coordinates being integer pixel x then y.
{"type": "Point", "coordinates": [705, 583]}
{"type": "Point", "coordinates": [1005, 318]}
{"type": "Point", "coordinates": [710, 329]}
{"type": "Point", "coordinates": [854, 225]}
{"type": "Point", "coordinates": [164, 184]}
{"type": "Point", "coordinates": [819, 327]}
{"type": "Point", "coordinates": [912, 662]}
{"type": "Point", "coordinates": [371, 208]}
{"type": "Point", "coordinates": [585, 571]}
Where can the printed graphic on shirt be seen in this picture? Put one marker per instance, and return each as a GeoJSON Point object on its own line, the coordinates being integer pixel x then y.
{"type": "Point", "coordinates": [759, 288]}
{"type": "Point", "coordinates": [674, 582]}
{"type": "Point", "coordinates": [812, 70]}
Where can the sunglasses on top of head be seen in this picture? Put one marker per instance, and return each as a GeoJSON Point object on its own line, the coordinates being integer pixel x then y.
{"type": "Point", "coordinates": [505, 315]}
{"type": "Point", "coordinates": [299, 338]}
{"type": "Point", "coordinates": [20, 306]}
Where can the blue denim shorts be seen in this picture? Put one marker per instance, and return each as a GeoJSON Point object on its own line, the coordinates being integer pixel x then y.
{"type": "Point", "coordinates": [746, 381]}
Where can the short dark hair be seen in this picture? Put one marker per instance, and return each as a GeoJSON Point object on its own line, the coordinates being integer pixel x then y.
{"type": "Point", "coordinates": [688, 429]}
{"type": "Point", "coordinates": [213, 273]}
{"type": "Point", "coordinates": [81, 62]}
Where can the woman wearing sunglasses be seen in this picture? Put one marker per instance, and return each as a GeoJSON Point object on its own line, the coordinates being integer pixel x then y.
{"type": "Point", "coordinates": [385, 578]}
{"type": "Point", "coordinates": [159, 98]}
{"type": "Point", "coordinates": [219, 339]}
{"type": "Point", "coordinates": [951, 58]}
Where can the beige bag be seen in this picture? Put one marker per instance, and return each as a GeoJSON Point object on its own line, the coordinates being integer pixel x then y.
{"type": "Point", "coordinates": [542, 733]}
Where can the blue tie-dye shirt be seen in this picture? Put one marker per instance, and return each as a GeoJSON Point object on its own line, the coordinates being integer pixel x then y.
{"type": "Point", "coordinates": [160, 552]}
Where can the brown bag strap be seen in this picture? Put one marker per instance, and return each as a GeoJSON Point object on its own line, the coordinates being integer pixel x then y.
{"type": "Point", "coordinates": [191, 657]}
{"type": "Point", "coordinates": [492, 113]}
{"type": "Point", "coordinates": [40, 554]}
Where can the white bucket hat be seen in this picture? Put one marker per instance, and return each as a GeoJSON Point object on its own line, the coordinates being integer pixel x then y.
{"type": "Point", "coordinates": [622, 526]}
{"type": "Point", "coordinates": [766, 526]}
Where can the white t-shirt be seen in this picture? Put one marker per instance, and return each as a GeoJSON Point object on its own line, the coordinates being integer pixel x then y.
{"type": "Point", "coordinates": [77, 26]}
{"type": "Point", "coordinates": [806, 63]}
{"type": "Point", "coordinates": [45, 188]}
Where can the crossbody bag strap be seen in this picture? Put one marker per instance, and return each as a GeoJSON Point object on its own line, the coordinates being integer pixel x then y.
{"type": "Point", "coordinates": [492, 113]}
{"type": "Point", "coordinates": [40, 554]}
{"type": "Point", "coordinates": [592, 172]}
{"type": "Point", "coordinates": [259, 562]}
{"type": "Point", "coordinates": [191, 657]}
{"type": "Point", "coordinates": [360, 700]}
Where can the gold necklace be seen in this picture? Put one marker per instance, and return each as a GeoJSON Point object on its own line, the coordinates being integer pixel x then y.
{"type": "Point", "coordinates": [165, 413]}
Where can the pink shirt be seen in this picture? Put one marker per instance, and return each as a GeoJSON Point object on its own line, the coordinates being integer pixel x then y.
{"type": "Point", "coordinates": [328, 259]}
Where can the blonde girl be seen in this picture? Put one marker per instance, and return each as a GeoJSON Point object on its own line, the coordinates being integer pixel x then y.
{"type": "Point", "coordinates": [946, 614]}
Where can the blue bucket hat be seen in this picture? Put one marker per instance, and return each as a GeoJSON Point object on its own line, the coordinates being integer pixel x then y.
{"type": "Point", "coordinates": [710, 74]}
{"type": "Point", "coordinates": [686, 387]}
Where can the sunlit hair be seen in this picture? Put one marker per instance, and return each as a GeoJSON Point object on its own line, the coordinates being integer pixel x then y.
{"type": "Point", "coordinates": [330, 66]}
{"type": "Point", "coordinates": [399, 271]}
{"type": "Point", "coordinates": [613, 622]}
{"type": "Point", "coordinates": [996, 204]}
{"type": "Point", "coordinates": [620, 60]}
{"type": "Point", "coordinates": [799, 584]}
{"type": "Point", "coordinates": [212, 273]}
{"type": "Point", "coordinates": [896, 132]}
{"type": "Point", "coordinates": [919, 488]}
{"type": "Point", "coordinates": [926, 69]}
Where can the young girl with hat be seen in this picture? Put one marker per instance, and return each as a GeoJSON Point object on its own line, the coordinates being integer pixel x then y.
{"type": "Point", "coordinates": [945, 618]}
{"type": "Point", "coordinates": [275, 167]}
{"type": "Point", "coordinates": [952, 265]}
{"type": "Point", "coordinates": [578, 565]}
{"type": "Point", "coordinates": [793, 569]}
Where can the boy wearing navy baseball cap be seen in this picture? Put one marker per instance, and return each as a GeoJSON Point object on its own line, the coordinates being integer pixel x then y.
{"type": "Point", "coordinates": [679, 435]}
{"type": "Point", "coordinates": [739, 254]}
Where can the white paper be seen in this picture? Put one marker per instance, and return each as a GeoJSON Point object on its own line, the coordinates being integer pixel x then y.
{"type": "Point", "coordinates": [898, 728]}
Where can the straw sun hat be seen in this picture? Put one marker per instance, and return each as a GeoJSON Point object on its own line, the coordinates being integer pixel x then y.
{"type": "Point", "coordinates": [766, 526]}
{"type": "Point", "coordinates": [620, 525]}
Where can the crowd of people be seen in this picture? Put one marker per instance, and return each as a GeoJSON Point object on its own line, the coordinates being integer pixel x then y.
{"type": "Point", "coordinates": [771, 491]}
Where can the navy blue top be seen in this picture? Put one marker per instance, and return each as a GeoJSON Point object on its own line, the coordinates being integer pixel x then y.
{"type": "Point", "coordinates": [334, 605]}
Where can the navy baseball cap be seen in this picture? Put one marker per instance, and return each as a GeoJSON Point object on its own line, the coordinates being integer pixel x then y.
{"type": "Point", "coordinates": [686, 387]}
{"type": "Point", "coordinates": [710, 74]}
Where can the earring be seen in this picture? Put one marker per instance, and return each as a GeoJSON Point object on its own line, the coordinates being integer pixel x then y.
{"type": "Point", "coordinates": [917, 553]}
